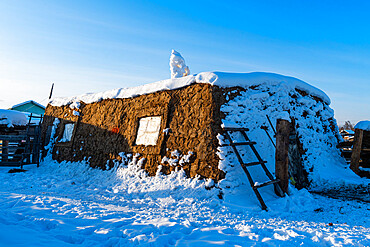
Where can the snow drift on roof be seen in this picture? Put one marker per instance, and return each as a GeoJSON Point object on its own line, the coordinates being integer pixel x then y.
{"type": "Point", "coordinates": [363, 125]}
{"type": "Point", "coordinates": [221, 79]}
{"type": "Point", "coordinates": [11, 118]}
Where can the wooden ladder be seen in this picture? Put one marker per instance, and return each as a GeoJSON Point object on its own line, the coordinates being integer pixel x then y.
{"type": "Point", "coordinates": [32, 147]}
{"type": "Point", "coordinates": [261, 162]}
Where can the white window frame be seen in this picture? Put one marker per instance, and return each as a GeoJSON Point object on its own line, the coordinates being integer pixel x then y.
{"type": "Point", "coordinates": [148, 131]}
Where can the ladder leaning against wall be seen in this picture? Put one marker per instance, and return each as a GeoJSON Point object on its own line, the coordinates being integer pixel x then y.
{"type": "Point", "coordinates": [255, 185]}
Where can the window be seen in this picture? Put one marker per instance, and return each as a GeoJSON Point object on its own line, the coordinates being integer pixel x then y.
{"type": "Point", "coordinates": [67, 133]}
{"type": "Point", "coordinates": [148, 131]}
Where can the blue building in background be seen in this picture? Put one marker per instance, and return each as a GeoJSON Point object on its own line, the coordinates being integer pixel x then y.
{"type": "Point", "coordinates": [29, 106]}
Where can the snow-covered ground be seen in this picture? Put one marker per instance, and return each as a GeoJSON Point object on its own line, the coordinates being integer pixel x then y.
{"type": "Point", "coordinates": [73, 205]}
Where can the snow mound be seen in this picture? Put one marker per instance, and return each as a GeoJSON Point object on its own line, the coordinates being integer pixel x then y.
{"type": "Point", "coordinates": [222, 79]}
{"type": "Point", "coordinates": [316, 130]}
{"type": "Point", "coordinates": [363, 125]}
{"type": "Point", "coordinates": [177, 65]}
{"type": "Point", "coordinates": [127, 179]}
{"type": "Point", "coordinates": [11, 118]}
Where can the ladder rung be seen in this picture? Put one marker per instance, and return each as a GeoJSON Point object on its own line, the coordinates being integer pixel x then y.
{"type": "Point", "coordinates": [238, 144]}
{"type": "Point", "coordinates": [255, 163]}
{"type": "Point", "coordinates": [266, 183]}
{"type": "Point", "coordinates": [235, 129]}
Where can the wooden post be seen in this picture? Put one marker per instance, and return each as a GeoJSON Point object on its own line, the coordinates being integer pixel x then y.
{"type": "Point", "coordinates": [356, 150]}
{"type": "Point", "coordinates": [5, 151]}
{"type": "Point", "coordinates": [281, 153]}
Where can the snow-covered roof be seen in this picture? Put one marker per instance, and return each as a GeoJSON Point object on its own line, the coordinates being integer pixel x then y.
{"type": "Point", "coordinates": [348, 131]}
{"type": "Point", "coordinates": [222, 79]}
{"type": "Point", "coordinates": [27, 102]}
{"type": "Point", "coordinates": [363, 125]}
{"type": "Point", "coordinates": [11, 118]}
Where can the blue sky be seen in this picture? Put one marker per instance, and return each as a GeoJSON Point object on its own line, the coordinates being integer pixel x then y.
{"type": "Point", "coordinates": [91, 46]}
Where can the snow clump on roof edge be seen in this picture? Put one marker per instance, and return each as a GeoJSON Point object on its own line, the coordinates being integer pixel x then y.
{"type": "Point", "coordinates": [221, 79]}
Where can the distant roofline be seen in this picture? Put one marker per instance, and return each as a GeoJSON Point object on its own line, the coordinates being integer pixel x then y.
{"type": "Point", "coordinates": [29, 101]}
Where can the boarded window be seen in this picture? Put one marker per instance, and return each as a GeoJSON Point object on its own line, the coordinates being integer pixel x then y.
{"type": "Point", "coordinates": [67, 133]}
{"type": "Point", "coordinates": [148, 131]}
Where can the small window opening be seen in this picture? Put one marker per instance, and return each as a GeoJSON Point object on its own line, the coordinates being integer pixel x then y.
{"type": "Point", "coordinates": [67, 133]}
{"type": "Point", "coordinates": [148, 131]}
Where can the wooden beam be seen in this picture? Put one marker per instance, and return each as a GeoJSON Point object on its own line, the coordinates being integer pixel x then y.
{"type": "Point", "coordinates": [4, 151]}
{"type": "Point", "coordinates": [13, 138]}
{"type": "Point", "coordinates": [281, 153]}
{"type": "Point", "coordinates": [356, 150]}
{"type": "Point", "coordinates": [11, 164]}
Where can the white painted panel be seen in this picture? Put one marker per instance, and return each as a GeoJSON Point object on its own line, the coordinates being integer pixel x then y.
{"type": "Point", "coordinates": [148, 131]}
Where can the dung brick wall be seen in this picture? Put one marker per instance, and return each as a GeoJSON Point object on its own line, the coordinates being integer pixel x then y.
{"type": "Point", "coordinates": [106, 128]}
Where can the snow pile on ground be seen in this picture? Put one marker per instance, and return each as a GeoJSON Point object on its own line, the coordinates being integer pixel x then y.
{"type": "Point", "coordinates": [363, 125]}
{"type": "Point", "coordinates": [178, 67]}
{"type": "Point", "coordinates": [64, 204]}
{"type": "Point", "coordinates": [221, 79]}
{"type": "Point", "coordinates": [11, 118]}
{"type": "Point", "coordinates": [321, 160]}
